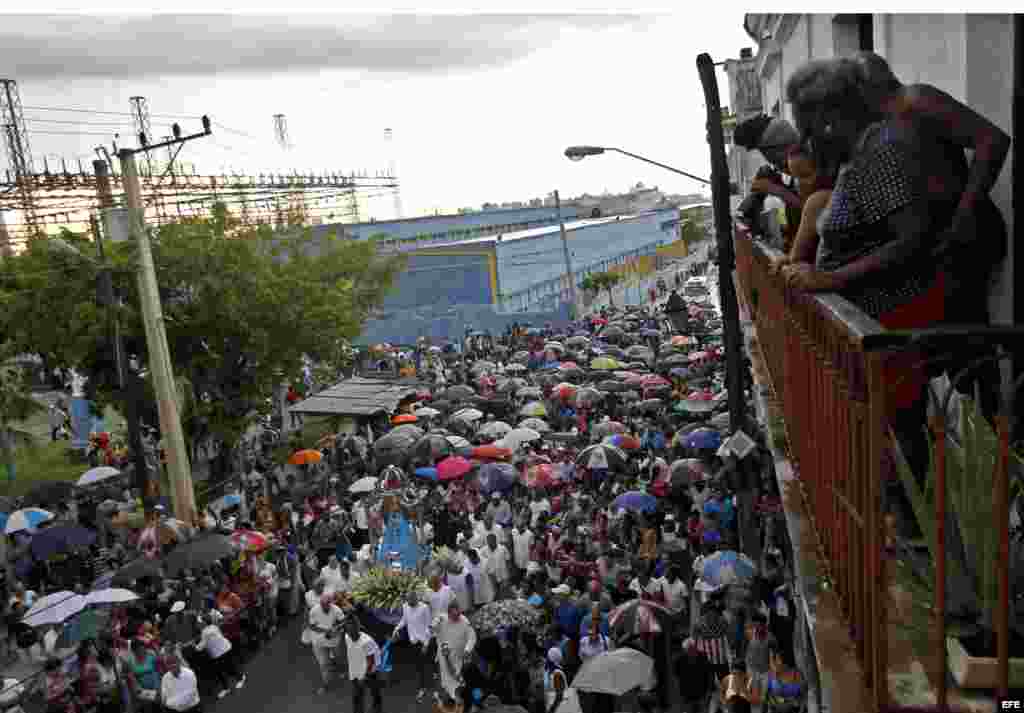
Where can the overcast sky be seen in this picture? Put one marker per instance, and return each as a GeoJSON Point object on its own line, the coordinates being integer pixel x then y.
{"type": "Point", "coordinates": [482, 107]}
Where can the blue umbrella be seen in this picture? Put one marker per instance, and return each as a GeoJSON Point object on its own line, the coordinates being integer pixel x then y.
{"type": "Point", "coordinates": [727, 567]}
{"type": "Point", "coordinates": [650, 333]}
{"type": "Point", "coordinates": [60, 539]}
{"type": "Point", "coordinates": [680, 372]}
{"type": "Point", "coordinates": [26, 519]}
{"type": "Point", "coordinates": [429, 473]}
{"type": "Point", "coordinates": [227, 501]}
{"type": "Point", "coordinates": [635, 500]}
{"type": "Point", "coordinates": [703, 438]}
{"type": "Point", "coordinates": [497, 477]}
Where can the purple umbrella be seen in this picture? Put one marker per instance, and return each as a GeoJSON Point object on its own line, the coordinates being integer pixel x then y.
{"type": "Point", "coordinates": [703, 438]}
{"type": "Point", "coordinates": [497, 477]}
{"type": "Point", "coordinates": [635, 500]}
{"type": "Point", "coordinates": [62, 538]}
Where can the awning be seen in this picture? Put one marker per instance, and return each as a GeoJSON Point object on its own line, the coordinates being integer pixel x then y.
{"type": "Point", "coordinates": [360, 396]}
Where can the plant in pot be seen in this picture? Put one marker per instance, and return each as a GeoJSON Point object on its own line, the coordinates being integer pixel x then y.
{"type": "Point", "coordinates": [972, 551]}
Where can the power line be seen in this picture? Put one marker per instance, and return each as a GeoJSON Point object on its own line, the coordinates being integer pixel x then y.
{"type": "Point", "coordinates": [74, 133]}
{"type": "Point", "coordinates": [76, 110]}
{"type": "Point", "coordinates": [34, 119]}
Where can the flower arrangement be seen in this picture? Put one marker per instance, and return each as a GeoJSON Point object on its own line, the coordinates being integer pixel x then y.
{"type": "Point", "coordinates": [385, 588]}
{"type": "Point", "coordinates": [446, 559]}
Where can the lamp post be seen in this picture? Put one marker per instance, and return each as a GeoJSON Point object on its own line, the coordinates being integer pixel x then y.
{"type": "Point", "coordinates": [726, 290]}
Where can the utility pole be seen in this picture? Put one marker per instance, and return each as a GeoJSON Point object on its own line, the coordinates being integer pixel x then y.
{"type": "Point", "coordinates": [182, 493]}
{"type": "Point", "coordinates": [129, 386]}
{"type": "Point", "coordinates": [5, 238]}
{"type": "Point", "coordinates": [565, 253]}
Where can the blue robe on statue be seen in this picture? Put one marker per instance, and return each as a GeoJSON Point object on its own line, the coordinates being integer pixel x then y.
{"type": "Point", "coordinates": [399, 542]}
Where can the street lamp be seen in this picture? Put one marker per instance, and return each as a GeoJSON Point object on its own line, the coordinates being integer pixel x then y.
{"type": "Point", "coordinates": [578, 153]}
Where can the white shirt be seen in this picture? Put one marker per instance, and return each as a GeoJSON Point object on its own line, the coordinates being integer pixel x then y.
{"type": "Point", "coordinates": [181, 692]}
{"type": "Point", "coordinates": [416, 621]}
{"type": "Point", "coordinates": [521, 544]}
{"type": "Point", "coordinates": [214, 642]}
{"type": "Point", "coordinates": [312, 599]}
{"type": "Point", "coordinates": [332, 579]}
{"type": "Point", "coordinates": [268, 574]}
{"type": "Point", "coordinates": [358, 651]}
{"type": "Point", "coordinates": [439, 600]}
{"type": "Point", "coordinates": [676, 595]}
{"type": "Point", "coordinates": [325, 621]}
{"type": "Point", "coordinates": [536, 508]}
{"type": "Point", "coordinates": [654, 587]}
{"type": "Point", "coordinates": [590, 648]}
{"type": "Point", "coordinates": [361, 518]}
{"type": "Point", "coordinates": [497, 562]}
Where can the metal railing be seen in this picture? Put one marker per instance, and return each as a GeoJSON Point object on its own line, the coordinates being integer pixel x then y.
{"type": "Point", "coordinates": [825, 361]}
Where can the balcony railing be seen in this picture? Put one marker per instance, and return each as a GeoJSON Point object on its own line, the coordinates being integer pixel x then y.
{"type": "Point", "coordinates": [824, 358]}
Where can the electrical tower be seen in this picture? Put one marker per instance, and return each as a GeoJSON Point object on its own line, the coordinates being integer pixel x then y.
{"type": "Point", "coordinates": [392, 161]}
{"type": "Point", "coordinates": [15, 137]}
{"type": "Point", "coordinates": [281, 131]}
{"type": "Point", "coordinates": [140, 119]}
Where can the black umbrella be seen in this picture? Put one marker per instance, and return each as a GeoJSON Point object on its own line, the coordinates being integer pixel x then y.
{"type": "Point", "coordinates": [459, 392]}
{"type": "Point", "coordinates": [198, 553]}
{"type": "Point", "coordinates": [648, 406]}
{"type": "Point", "coordinates": [431, 447]}
{"type": "Point", "coordinates": [613, 386]}
{"type": "Point", "coordinates": [50, 493]}
{"type": "Point", "coordinates": [54, 540]}
{"type": "Point", "coordinates": [137, 569]}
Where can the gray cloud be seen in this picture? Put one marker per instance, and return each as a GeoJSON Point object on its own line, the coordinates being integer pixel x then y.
{"type": "Point", "coordinates": [45, 47]}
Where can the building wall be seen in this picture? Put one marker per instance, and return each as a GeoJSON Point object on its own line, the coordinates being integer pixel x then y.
{"type": "Point", "coordinates": [444, 278]}
{"type": "Point", "coordinates": [968, 56]}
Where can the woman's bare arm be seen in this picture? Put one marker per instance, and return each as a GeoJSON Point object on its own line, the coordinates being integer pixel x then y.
{"type": "Point", "coordinates": [910, 224]}
{"type": "Point", "coordinates": [805, 244]}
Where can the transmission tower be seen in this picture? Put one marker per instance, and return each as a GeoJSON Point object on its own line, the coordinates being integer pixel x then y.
{"type": "Point", "coordinates": [389, 139]}
{"type": "Point", "coordinates": [281, 131]}
{"type": "Point", "coordinates": [140, 119]}
{"type": "Point", "coordinates": [12, 122]}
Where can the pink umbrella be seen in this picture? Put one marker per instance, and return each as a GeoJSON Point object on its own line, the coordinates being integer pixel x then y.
{"type": "Point", "coordinates": [652, 380]}
{"type": "Point", "coordinates": [453, 468]}
{"type": "Point", "coordinates": [635, 379]}
{"type": "Point", "coordinates": [568, 365]}
{"type": "Point", "coordinates": [698, 356]}
{"type": "Point", "coordinates": [539, 476]}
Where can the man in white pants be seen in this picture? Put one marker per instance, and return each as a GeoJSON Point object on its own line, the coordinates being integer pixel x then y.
{"type": "Point", "coordinates": [456, 640]}
{"type": "Point", "coordinates": [324, 620]}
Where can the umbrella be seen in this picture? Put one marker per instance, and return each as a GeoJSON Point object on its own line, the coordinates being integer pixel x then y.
{"type": "Point", "coordinates": [26, 519]}
{"type": "Point", "coordinates": [96, 475]}
{"type": "Point", "coordinates": [604, 364]}
{"type": "Point", "coordinates": [601, 455]}
{"type": "Point", "coordinates": [681, 340]}
{"type": "Point", "coordinates": [588, 396]}
{"type": "Point", "coordinates": [404, 418]}
{"type": "Point", "coordinates": [481, 367]}
{"type": "Point", "coordinates": [397, 441]}
{"type": "Point", "coordinates": [467, 414]}
{"type": "Point", "coordinates": [613, 386]}
{"type": "Point", "coordinates": [615, 672]}
{"type": "Point", "coordinates": [565, 391]}
{"type": "Point", "coordinates": [137, 569]}
{"type": "Point", "coordinates": [612, 332]}
{"type": "Point", "coordinates": [577, 341]}
{"type": "Point", "coordinates": [648, 406]}
{"type": "Point", "coordinates": [198, 553]}
{"type": "Point", "coordinates": [431, 447]}
{"type": "Point", "coordinates": [364, 485]}
{"type": "Point", "coordinates": [530, 392]}
{"type": "Point", "coordinates": [696, 407]}
{"type": "Point", "coordinates": [534, 408]}
{"type": "Point", "coordinates": [541, 475]}
{"type": "Point", "coordinates": [495, 429]}
{"type": "Point", "coordinates": [250, 540]}
{"type": "Point", "coordinates": [491, 618]}
{"type": "Point", "coordinates": [621, 440]}
{"type": "Point", "coordinates": [453, 467]}
{"type": "Point", "coordinates": [427, 412]}
{"type": "Point", "coordinates": [640, 352]}
{"type": "Point", "coordinates": [639, 616]}
{"type": "Point", "coordinates": [497, 477]}
{"type": "Point", "coordinates": [493, 451]}
{"type": "Point", "coordinates": [703, 438]}
{"type": "Point", "coordinates": [511, 386]}
{"type": "Point", "coordinates": [726, 567]}
{"type": "Point", "coordinates": [458, 442]}
{"type": "Point", "coordinates": [554, 346]}
{"type": "Point", "coordinates": [629, 378]}
{"type": "Point", "coordinates": [674, 360]}
{"type": "Point", "coordinates": [679, 372]}
{"type": "Point", "coordinates": [305, 457]}
{"type": "Point", "coordinates": [651, 381]}
{"type": "Point", "coordinates": [428, 473]}
{"type": "Point", "coordinates": [607, 428]}
{"type": "Point", "coordinates": [515, 368]}
{"type": "Point", "coordinates": [110, 596]}
{"type": "Point", "coordinates": [459, 392]}
{"type": "Point", "coordinates": [54, 608]}
{"type": "Point", "coordinates": [636, 501]}
{"type": "Point", "coordinates": [599, 320]}
{"type": "Point", "coordinates": [535, 424]}
{"type": "Point", "coordinates": [688, 470]}
{"type": "Point", "coordinates": [517, 437]}
{"type": "Point", "coordinates": [50, 493]}
{"type": "Point", "coordinates": [60, 539]}
{"type": "Point", "coordinates": [226, 502]}
{"type": "Point", "coordinates": [521, 357]}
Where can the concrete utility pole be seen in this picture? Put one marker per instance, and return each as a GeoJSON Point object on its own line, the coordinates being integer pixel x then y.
{"type": "Point", "coordinates": [5, 238]}
{"type": "Point", "coordinates": [565, 252]}
{"type": "Point", "coordinates": [178, 468]}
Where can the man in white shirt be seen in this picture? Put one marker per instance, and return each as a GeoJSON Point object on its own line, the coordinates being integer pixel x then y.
{"type": "Point", "coordinates": [267, 576]}
{"type": "Point", "coordinates": [331, 576]}
{"type": "Point", "coordinates": [347, 578]}
{"type": "Point", "coordinates": [363, 660]}
{"type": "Point", "coordinates": [219, 649]}
{"type": "Point", "coordinates": [439, 596]}
{"type": "Point", "coordinates": [496, 560]}
{"type": "Point", "coordinates": [677, 594]}
{"type": "Point", "coordinates": [456, 640]}
{"type": "Point", "coordinates": [323, 621]}
{"type": "Point", "coordinates": [179, 689]}
{"type": "Point", "coordinates": [539, 506]}
{"type": "Point", "coordinates": [522, 541]}
{"type": "Point", "coordinates": [362, 522]}
{"type": "Point", "coordinates": [416, 621]}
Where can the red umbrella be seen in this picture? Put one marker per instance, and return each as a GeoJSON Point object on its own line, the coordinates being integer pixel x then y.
{"type": "Point", "coordinates": [599, 320]}
{"type": "Point", "coordinates": [634, 379]}
{"type": "Point", "coordinates": [250, 540]}
{"type": "Point", "coordinates": [490, 452]}
{"type": "Point", "coordinates": [566, 365]}
{"type": "Point", "coordinates": [453, 468]}
{"type": "Point", "coordinates": [565, 391]}
{"type": "Point", "coordinates": [652, 380]}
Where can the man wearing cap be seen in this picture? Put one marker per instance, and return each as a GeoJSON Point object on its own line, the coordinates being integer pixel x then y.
{"type": "Point", "coordinates": [179, 689]}
{"type": "Point", "coordinates": [180, 627]}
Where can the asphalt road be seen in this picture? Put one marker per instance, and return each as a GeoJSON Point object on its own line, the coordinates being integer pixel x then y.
{"type": "Point", "coordinates": [283, 678]}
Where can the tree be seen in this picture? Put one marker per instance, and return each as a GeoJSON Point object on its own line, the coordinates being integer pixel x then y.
{"type": "Point", "coordinates": [602, 281]}
{"type": "Point", "coordinates": [16, 405]}
{"type": "Point", "coordinates": [241, 308]}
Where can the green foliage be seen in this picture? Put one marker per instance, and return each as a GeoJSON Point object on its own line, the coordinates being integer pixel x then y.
{"type": "Point", "coordinates": [602, 281]}
{"type": "Point", "coordinates": [970, 498]}
{"type": "Point", "coordinates": [385, 588]}
{"type": "Point", "coordinates": [241, 308]}
{"type": "Point", "coordinates": [16, 405]}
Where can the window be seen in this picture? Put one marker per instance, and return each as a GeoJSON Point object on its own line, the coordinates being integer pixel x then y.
{"type": "Point", "coordinates": [853, 33]}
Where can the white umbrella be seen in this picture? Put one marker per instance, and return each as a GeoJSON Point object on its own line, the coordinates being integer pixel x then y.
{"type": "Point", "coordinates": [467, 414]}
{"type": "Point", "coordinates": [96, 475]}
{"type": "Point", "coordinates": [113, 595]}
{"type": "Point", "coordinates": [495, 429]}
{"type": "Point", "coordinates": [54, 608]}
{"type": "Point", "coordinates": [426, 412]}
{"type": "Point", "coordinates": [27, 519]}
{"type": "Point", "coordinates": [518, 436]}
{"type": "Point", "coordinates": [615, 672]}
{"type": "Point", "coordinates": [363, 485]}
{"type": "Point", "coordinates": [458, 441]}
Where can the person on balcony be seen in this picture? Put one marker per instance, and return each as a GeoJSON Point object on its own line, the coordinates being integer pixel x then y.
{"type": "Point", "coordinates": [896, 189]}
{"type": "Point", "coordinates": [775, 139]}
